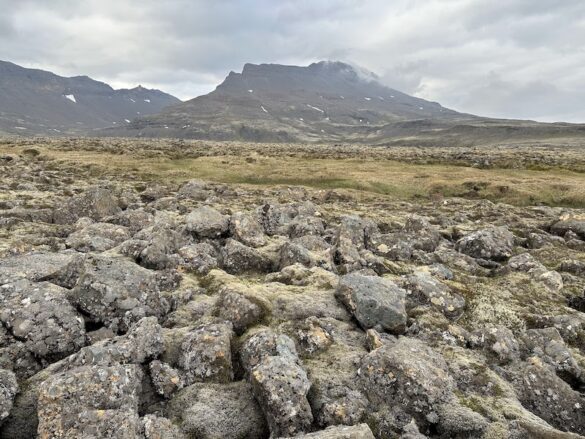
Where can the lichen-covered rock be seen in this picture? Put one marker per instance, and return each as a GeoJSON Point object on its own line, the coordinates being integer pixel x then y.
{"type": "Point", "coordinates": [97, 237]}
{"type": "Point", "coordinates": [159, 245]}
{"type": "Point", "coordinates": [247, 229]}
{"type": "Point", "coordinates": [425, 289]}
{"type": "Point", "coordinates": [408, 373]}
{"type": "Point", "coordinates": [41, 317]}
{"type": "Point", "coordinates": [35, 267]}
{"type": "Point", "coordinates": [574, 225]}
{"type": "Point", "coordinates": [143, 342]}
{"type": "Point", "coordinates": [238, 258]}
{"type": "Point", "coordinates": [165, 379]}
{"type": "Point", "coordinates": [495, 244]}
{"type": "Point", "coordinates": [96, 203]}
{"type": "Point", "coordinates": [206, 222]}
{"type": "Point", "coordinates": [281, 388]}
{"type": "Point", "coordinates": [375, 302]}
{"type": "Point", "coordinates": [548, 345]}
{"type": "Point", "coordinates": [237, 309]}
{"type": "Point", "coordinates": [90, 401]}
{"type": "Point", "coordinates": [155, 427]}
{"type": "Point", "coordinates": [8, 390]}
{"type": "Point", "coordinates": [361, 431]}
{"type": "Point", "coordinates": [200, 258]}
{"type": "Point", "coordinates": [263, 344]}
{"type": "Point", "coordinates": [277, 218]}
{"type": "Point", "coordinates": [210, 411]}
{"type": "Point", "coordinates": [196, 190]}
{"type": "Point", "coordinates": [117, 292]}
{"type": "Point", "coordinates": [541, 391]}
{"type": "Point", "coordinates": [206, 354]}
{"type": "Point", "coordinates": [279, 382]}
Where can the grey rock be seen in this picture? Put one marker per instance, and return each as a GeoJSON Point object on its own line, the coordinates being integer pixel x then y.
{"type": "Point", "coordinates": [238, 258]}
{"type": "Point", "coordinates": [41, 317]}
{"type": "Point", "coordinates": [277, 218]}
{"type": "Point", "coordinates": [206, 354]}
{"type": "Point", "coordinates": [96, 203]}
{"type": "Point", "coordinates": [237, 309]}
{"type": "Point", "coordinates": [375, 302]}
{"type": "Point", "coordinates": [143, 342]}
{"type": "Point", "coordinates": [247, 229]}
{"type": "Point", "coordinates": [200, 258]}
{"type": "Point", "coordinates": [266, 343]}
{"type": "Point", "coordinates": [495, 243]}
{"type": "Point", "coordinates": [97, 237]}
{"type": "Point", "coordinates": [155, 427]}
{"type": "Point", "coordinates": [425, 289]}
{"type": "Point", "coordinates": [541, 391]}
{"type": "Point", "coordinates": [206, 222]}
{"type": "Point", "coordinates": [408, 373]}
{"type": "Point", "coordinates": [90, 401]}
{"type": "Point", "coordinates": [574, 225]}
{"type": "Point", "coordinates": [165, 379]}
{"type": "Point", "coordinates": [35, 266]}
{"type": "Point", "coordinates": [210, 411]}
{"type": "Point", "coordinates": [279, 382]}
{"type": "Point", "coordinates": [117, 292]}
{"type": "Point", "coordinates": [281, 388]}
{"type": "Point", "coordinates": [161, 243]}
{"type": "Point", "coordinates": [8, 390]}
{"type": "Point", "coordinates": [573, 266]}
{"type": "Point", "coordinates": [361, 431]}
{"type": "Point", "coordinates": [196, 190]}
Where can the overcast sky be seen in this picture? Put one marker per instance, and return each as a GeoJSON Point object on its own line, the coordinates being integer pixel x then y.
{"type": "Point", "coordinates": [503, 58]}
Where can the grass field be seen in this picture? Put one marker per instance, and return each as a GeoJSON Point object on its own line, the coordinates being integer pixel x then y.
{"type": "Point", "coordinates": [556, 186]}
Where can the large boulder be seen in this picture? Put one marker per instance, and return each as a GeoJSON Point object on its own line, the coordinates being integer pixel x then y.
{"type": "Point", "coordinates": [34, 266]}
{"type": "Point", "coordinates": [277, 218]}
{"type": "Point", "coordinates": [247, 229]}
{"type": "Point", "coordinates": [97, 237]}
{"type": "Point", "coordinates": [206, 222]}
{"type": "Point", "coordinates": [375, 302]}
{"type": "Point", "coordinates": [426, 290]}
{"type": "Point", "coordinates": [407, 373]}
{"type": "Point", "coordinates": [117, 292]}
{"type": "Point", "coordinates": [237, 309]}
{"type": "Point", "coordinates": [495, 243]}
{"type": "Point", "coordinates": [238, 258]}
{"type": "Point", "coordinates": [279, 382]}
{"type": "Point", "coordinates": [206, 354]}
{"type": "Point", "coordinates": [96, 203]}
{"type": "Point", "coordinates": [575, 225]}
{"type": "Point", "coordinates": [40, 315]}
{"type": "Point", "coordinates": [91, 401]}
{"type": "Point", "coordinates": [200, 258]}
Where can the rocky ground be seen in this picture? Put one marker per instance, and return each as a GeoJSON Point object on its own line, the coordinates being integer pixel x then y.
{"type": "Point", "coordinates": [136, 308]}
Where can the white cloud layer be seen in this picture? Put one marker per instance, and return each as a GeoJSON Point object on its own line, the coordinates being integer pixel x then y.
{"type": "Point", "coordinates": [513, 58]}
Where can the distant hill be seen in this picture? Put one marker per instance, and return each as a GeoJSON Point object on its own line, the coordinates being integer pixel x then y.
{"type": "Point", "coordinates": [39, 102]}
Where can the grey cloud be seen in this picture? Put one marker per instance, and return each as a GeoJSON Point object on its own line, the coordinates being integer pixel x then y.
{"type": "Point", "coordinates": [519, 58]}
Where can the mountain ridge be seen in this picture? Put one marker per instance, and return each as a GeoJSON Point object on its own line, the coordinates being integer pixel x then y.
{"type": "Point", "coordinates": [35, 101]}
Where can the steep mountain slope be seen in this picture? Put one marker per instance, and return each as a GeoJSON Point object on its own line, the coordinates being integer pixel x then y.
{"type": "Point", "coordinates": [324, 101]}
{"type": "Point", "coordinates": [39, 102]}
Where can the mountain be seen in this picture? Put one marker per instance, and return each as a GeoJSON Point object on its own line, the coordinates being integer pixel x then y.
{"type": "Point", "coordinates": [39, 102]}
{"type": "Point", "coordinates": [329, 101]}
